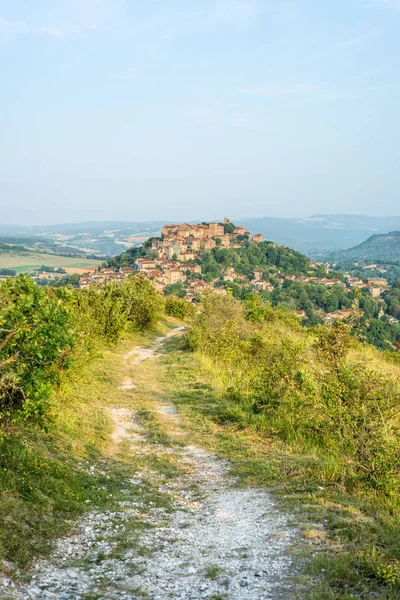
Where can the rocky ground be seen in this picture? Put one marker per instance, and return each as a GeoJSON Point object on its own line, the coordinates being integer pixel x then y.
{"type": "Point", "coordinates": [205, 538]}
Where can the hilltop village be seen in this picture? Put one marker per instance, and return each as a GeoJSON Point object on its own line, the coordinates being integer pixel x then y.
{"type": "Point", "coordinates": [190, 258]}
{"type": "Point", "coordinates": [175, 256]}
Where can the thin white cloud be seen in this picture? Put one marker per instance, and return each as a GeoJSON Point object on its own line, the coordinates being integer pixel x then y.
{"type": "Point", "coordinates": [235, 12]}
{"type": "Point", "coordinates": [64, 32]}
{"type": "Point", "coordinates": [15, 25]}
{"type": "Point", "coordinates": [73, 32]}
{"type": "Point", "coordinates": [276, 89]}
{"type": "Point", "coordinates": [52, 31]}
{"type": "Point", "coordinates": [357, 41]}
{"type": "Point", "coordinates": [391, 4]}
{"type": "Point", "coordinates": [361, 92]}
{"type": "Point", "coordinates": [129, 73]}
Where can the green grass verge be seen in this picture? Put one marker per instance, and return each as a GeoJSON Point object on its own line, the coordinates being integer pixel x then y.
{"type": "Point", "coordinates": [351, 538]}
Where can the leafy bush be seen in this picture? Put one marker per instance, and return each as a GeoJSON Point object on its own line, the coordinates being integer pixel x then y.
{"type": "Point", "coordinates": [176, 307]}
{"type": "Point", "coordinates": [36, 343]}
{"type": "Point", "coordinates": [220, 329]}
{"type": "Point", "coordinates": [360, 409]}
{"type": "Point", "coordinates": [141, 303]}
{"type": "Point", "coordinates": [42, 329]}
{"type": "Point", "coordinates": [175, 289]}
{"type": "Point", "coordinates": [100, 312]}
{"type": "Point", "coordinates": [262, 311]}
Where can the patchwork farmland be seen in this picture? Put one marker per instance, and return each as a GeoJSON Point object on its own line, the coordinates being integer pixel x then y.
{"type": "Point", "coordinates": [30, 261]}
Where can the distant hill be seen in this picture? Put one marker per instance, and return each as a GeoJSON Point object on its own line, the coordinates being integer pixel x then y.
{"type": "Point", "coordinates": [100, 238]}
{"type": "Point", "coordinates": [319, 235]}
{"type": "Point", "coordinates": [92, 227]}
{"type": "Point", "coordinates": [383, 247]}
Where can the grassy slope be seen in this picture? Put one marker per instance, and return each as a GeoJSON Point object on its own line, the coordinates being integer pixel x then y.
{"type": "Point", "coordinates": [344, 530]}
{"type": "Point", "coordinates": [29, 261]}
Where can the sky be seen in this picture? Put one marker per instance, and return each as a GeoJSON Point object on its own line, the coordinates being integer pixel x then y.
{"type": "Point", "coordinates": [195, 109]}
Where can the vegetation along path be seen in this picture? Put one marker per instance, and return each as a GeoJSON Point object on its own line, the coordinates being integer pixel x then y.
{"type": "Point", "coordinates": [180, 527]}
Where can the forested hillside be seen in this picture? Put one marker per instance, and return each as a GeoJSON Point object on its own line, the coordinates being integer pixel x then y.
{"type": "Point", "coordinates": [382, 247]}
{"type": "Point", "coordinates": [245, 259]}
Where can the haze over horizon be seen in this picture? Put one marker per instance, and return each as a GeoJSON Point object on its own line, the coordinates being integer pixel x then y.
{"type": "Point", "coordinates": [208, 218]}
{"type": "Point", "coordinates": [117, 110]}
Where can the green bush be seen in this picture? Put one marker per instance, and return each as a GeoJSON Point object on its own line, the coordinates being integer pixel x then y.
{"type": "Point", "coordinates": [360, 407]}
{"type": "Point", "coordinates": [42, 330]}
{"type": "Point", "coordinates": [100, 312]}
{"type": "Point", "coordinates": [141, 303]}
{"type": "Point", "coordinates": [176, 307]}
{"type": "Point", "coordinates": [220, 330]}
{"type": "Point", "coordinates": [36, 343]}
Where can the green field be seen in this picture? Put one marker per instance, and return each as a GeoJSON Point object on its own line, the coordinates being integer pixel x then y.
{"type": "Point", "coordinates": [30, 261]}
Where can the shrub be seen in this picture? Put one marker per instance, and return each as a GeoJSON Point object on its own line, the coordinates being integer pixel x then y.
{"type": "Point", "coordinates": [220, 329]}
{"type": "Point", "coordinates": [100, 312]}
{"type": "Point", "coordinates": [141, 303]}
{"type": "Point", "coordinates": [36, 343]}
{"type": "Point", "coordinates": [360, 409]}
{"type": "Point", "coordinates": [177, 307]}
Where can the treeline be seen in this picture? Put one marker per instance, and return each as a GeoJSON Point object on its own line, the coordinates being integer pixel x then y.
{"type": "Point", "coordinates": [390, 270]}
{"type": "Point", "coordinates": [251, 256]}
{"type": "Point", "coordinates": [7, 248]}
{"type": "Point", "coordinates": [311, 297]}
{"type": "Point", "coordinates": [65, 280]}
{"type": "Point", "coordinates": [44, 331]}
{"type": "Point", "coordinates": [371, 323]}
{"type": "Point", "coordinates": [392, 299]}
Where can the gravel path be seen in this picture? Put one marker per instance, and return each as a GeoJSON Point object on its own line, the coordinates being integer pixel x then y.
{"type": "Point", "coordinates": [218, 542]}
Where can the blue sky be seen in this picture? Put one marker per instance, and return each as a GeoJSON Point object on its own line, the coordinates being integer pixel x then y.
{"type": "Point", "coordinates": [186, 109]}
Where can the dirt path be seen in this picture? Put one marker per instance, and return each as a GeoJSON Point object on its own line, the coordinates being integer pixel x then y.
{"type": "Point", "coordinates": [209, 539]}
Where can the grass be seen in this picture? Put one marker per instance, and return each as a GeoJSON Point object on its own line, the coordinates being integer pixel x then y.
{"type": "Point", "coordinates": [31, 261]}
{"type": "Point", "coordinates": [213, 572]}
{"type": "Point", "coordinates": [350, 537]}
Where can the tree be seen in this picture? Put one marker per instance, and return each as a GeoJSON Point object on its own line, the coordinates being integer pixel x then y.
{"type": "Point", "coordinates": [175, 289]}
{"type": "Point", "coordinates": [228, 228]}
